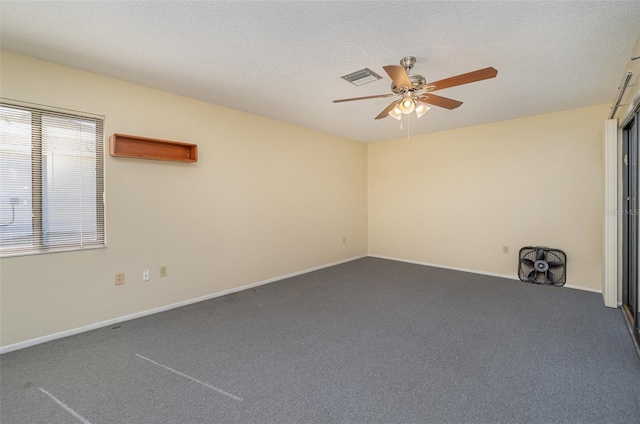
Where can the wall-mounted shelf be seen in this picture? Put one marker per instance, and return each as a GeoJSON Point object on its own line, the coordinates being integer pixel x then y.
{"type": "Point", "coordinates": [131, 146]}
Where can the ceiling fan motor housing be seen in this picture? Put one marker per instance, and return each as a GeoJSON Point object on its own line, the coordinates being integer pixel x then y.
{"type": "Point", "coordinates": [417, 83]}
{"type": "Point", "coordinates": [542, 265]}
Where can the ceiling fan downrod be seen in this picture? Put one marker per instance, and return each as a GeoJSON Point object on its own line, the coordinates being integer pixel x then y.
{"type": "Point", "coordinates": [407, 63]}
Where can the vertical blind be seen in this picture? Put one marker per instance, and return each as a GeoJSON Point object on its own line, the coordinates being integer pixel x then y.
{"type": "Point", "coordinates": [51, 181]}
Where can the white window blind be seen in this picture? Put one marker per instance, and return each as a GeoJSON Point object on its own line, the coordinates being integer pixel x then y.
{"type": "Point", "coordinates": [51, 181]}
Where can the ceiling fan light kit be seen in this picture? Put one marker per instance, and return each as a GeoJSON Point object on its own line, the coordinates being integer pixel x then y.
{"type": "Point", "coordinates": [421, 108]}
{"type": "Point", "coordinates": [396, 113]}
{"type": "Point", "coordinates": [407, 105]}
{"type": "Point", "coordinates": [415, 91]}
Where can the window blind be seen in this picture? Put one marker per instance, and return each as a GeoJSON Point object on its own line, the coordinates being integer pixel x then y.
{"type": "Point", "coordinates": [51, 181]}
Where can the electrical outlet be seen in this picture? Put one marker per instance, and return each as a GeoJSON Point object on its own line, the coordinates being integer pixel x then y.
{"type": "Point", "coordinates": [145, 275]}
{"type": "Point", "coordinates": [119, 278]}
{"type": "Point", "coordinates": [163, 271]}
{"type": "Point", "coordinates": [505, 249]}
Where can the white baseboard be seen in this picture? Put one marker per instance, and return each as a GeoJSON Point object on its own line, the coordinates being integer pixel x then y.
{"type": "Point", "coordinates": [473, 271]}
{"type": "Point", "coordinates": [78, 330]}
{"type": "Point", "coordinates": [113, 321]}
{"type": "Point", "coordinates": [569, 286]}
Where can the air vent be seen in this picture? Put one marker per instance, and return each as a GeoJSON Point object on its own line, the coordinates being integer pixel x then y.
{"type": "Point", "coordinates": [362, 76]}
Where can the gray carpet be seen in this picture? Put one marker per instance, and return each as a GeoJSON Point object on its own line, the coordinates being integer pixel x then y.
{"type": "Point", "coordinates": [371, 340]}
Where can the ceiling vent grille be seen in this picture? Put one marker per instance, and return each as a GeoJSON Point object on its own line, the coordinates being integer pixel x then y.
{"type": "Point", "coordinates": [361, 77]}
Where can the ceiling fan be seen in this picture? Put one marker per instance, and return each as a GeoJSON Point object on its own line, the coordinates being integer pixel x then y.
{"type": "Point", "coordinates": [415, 92]}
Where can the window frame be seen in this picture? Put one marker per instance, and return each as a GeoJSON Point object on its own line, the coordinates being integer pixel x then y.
{"type": "Point", "coordinates": [38, 245]}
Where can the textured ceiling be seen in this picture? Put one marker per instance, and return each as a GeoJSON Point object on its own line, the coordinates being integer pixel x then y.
{"type": "Point", "coordinates": [283, 60]}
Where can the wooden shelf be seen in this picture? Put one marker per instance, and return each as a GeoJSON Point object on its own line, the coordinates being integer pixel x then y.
{"type": "Point", "coordinates": [131, 146]}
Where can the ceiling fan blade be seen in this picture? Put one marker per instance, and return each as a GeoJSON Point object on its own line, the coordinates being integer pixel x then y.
{"type": "Point", "coordinates": [551, 277]}
{"type": "Point", "coordinates": [398, 75]}
{"type": "Point", "coordinates": [385, 112]}
{"type": "Point", "coordinates": [540, 255]}
{"type": "Point", "coordinates": [444, 102]}
{"type": "Point", "coordinates": [533, 276]}
{"type": "Point", "coordinates": [479, 75]}
{"type": "Point", "coordinates": [364, 98]}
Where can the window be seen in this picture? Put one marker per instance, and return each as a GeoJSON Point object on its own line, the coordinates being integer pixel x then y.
{"type": "Point", "coordinates": [51, 181]}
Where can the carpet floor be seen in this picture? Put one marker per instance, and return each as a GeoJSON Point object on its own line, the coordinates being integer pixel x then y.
{"type": "Point", "coordinates": [371, 340]}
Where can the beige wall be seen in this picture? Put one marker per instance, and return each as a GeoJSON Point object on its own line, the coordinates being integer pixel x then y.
{"type": "Point", "coordinates": [455, 198]}
{"type": "Point", "coordinates": [265, 199]}
{"type": "Point", "coordinates": [268, 199]}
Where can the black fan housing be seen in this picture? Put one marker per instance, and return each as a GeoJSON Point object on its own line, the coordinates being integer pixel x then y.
{"type": "Point", "coordinates": [542, 265]}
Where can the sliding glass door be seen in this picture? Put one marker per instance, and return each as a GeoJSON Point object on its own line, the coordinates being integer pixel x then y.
{"type": "Point", "coordinates": [630, 293]}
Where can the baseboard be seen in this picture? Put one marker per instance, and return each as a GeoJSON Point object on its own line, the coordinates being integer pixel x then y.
{"type": "Point", "coordinates": [78, 330]}
{"type": "Point", "coordinates": [569, 286]}
{"type": "Point", "coordinates": [475, 271]}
